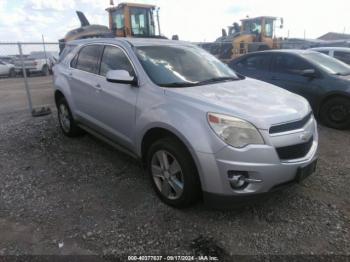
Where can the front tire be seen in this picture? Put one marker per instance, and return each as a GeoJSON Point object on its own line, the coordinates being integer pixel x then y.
{"type": "Point", "coordinates": [45, 70]}
{"type": "Point", "coordinates": [173, 173]}
{"type": "Point", "coordinates": [65, 118]}
{"type": "Point", "coordinates": [335, 113]}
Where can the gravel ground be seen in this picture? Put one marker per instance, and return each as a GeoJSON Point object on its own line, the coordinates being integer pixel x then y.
{"type": "Point", "coordinates": [80, 196]}
{"type": "Point", "coordinates": [13, 96]}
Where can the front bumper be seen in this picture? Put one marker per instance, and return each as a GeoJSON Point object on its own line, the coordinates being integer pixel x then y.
{"type": "Point", "coordinates": [261, 162]}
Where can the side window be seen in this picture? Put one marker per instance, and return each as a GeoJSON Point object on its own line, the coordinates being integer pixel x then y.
{"type": "Point", "coordinates": [114, 59]}
{"type": "Point", "coordinates": [73, 63]}
{"type": "Point", "coordinates": [323, 52]}
{"type": "Point", "coordinates": [257, 62]}
{"type": "Point", "coordinates": [89, 58]}
{"type": "Point", "coordinates": [290, 64]}
{"type": "Point", "coordinates": [342, 56]}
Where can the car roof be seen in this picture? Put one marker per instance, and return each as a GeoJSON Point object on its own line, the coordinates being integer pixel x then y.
{"type": "Point", "coordinates": [330, 48]}
{"type": "Point", "coordinates": [286, 51]}
{"type": "Point", "coordinates": [130, 41]}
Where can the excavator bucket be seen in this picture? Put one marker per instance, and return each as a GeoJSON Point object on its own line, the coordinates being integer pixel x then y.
{"type": "Point", "coordinates": [82, 18]}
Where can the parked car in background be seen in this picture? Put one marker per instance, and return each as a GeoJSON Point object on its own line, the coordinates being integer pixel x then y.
{"type": "Point", "coordinates": [36, 62]}
{"type": "Point", "coordinates": [7, 59]}
{"type": "Point", "coordinates": [340, 53]}
{"type": "Point", "coordinates": [322, 80]}
{"type": "Point", "coordinates": [7, 69]}
{"type": "Point", "coordinates": [199, 129]}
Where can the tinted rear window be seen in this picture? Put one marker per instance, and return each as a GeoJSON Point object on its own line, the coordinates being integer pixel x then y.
{"type": "Point", "coordinates": [290, 64]}
{"type": "Point", "coordinates": [89, 58]}
{"type": "Point", "coordinates": [342, 56]}
{"type": "Point", "coordinates": [256, 62]}
{"type": "Point", "coordinates": [67, 50]}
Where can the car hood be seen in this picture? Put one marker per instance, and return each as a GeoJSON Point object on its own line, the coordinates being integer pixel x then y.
{"type": "Point", "coordinates": [258, 102]}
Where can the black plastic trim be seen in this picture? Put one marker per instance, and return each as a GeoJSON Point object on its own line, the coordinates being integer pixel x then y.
{"type": "Point", "coordinates": [290, 126]}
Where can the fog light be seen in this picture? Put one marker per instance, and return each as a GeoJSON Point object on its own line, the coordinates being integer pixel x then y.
{"type": "Point", "coordinates": [238, 179]}
{"type": "Point", "coordinates": [241, 179]}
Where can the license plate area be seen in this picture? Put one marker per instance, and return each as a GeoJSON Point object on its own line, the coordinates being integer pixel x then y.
{"type": "Point", "coordinates": [305, 171]}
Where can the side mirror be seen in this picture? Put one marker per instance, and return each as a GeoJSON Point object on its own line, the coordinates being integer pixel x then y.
{"type": "Point", "coordinates": [121, 77]}
{"type": "Point", "coordinates": [311, 73]}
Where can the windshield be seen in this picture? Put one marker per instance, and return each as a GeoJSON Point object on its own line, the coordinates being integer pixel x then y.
{"type": "Point", "coordinates": [142, 22]}
{"type": "Point", "coordinates": [252, 26]}
{"type": "Point", "coordinates": [329, 64]}
{"type": "Point", "coordinates": [182, 66]}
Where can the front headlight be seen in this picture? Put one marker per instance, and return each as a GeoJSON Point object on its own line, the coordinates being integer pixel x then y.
{"type": "Point", "coordinates": [234, 131]}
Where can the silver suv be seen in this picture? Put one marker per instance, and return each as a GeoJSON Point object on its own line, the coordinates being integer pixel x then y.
{"type": "Point", "coordinates": [200, 129]}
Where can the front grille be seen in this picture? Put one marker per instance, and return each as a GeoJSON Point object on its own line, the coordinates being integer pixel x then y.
{"type": "Point", "coordinates": [290, 126]}
{"type": "Point", "coordinates": [294, 151]}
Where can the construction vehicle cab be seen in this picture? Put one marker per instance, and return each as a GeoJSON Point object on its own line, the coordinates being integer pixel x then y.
{"type": "Point", "coordinates": [133, 20]}
{"type": "Point", "coordinates": [256, 34]}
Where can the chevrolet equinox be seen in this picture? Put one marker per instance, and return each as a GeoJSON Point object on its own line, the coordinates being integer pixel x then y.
{"type": "Point", "coordinates": [200, 129]}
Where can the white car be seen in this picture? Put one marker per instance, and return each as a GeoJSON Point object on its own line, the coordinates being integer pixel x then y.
{"type": "Point", "coordinates": [7, 69]}
{"type": "Point", "coordinates": [340, 53]}
{"type": "Point", "coordinates": [36, 62]}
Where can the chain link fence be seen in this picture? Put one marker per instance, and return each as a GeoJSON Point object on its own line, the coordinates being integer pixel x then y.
{"type": "Point", "coordinates": [26, 76]}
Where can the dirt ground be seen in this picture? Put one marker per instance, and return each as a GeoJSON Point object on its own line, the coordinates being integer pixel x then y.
{"type": "Point", "coordinates": [80, 196]}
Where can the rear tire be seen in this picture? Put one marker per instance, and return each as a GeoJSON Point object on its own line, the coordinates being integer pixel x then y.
{"type": "Point", "coordinates": [65, 118]}
{"type": "Point", "coordinates": [175, 179]}
{"type": "Point", "coordinates": [45, 70]}
{"type": "Point", "coordinates": [335, 113]}
{"type": "Point", "coordinates": [12, 73]}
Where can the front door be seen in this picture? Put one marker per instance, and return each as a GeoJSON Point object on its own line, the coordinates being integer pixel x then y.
{"type": "Point", "coordinates": [286, 73]}
{"type": "Point", "coordinates": [115, 102]}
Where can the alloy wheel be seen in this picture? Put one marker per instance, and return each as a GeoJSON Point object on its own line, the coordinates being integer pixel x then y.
{"type": "Point", "coordinates": [167, 174]}
{"type": "Point", "coordinates": [64, 117]}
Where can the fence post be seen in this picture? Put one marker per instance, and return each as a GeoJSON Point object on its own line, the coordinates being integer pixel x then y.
{"type": "Point", "coordinates": [25, 78]}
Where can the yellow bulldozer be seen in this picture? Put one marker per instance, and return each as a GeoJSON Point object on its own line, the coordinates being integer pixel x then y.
{"type": "Point", "coordinates": [254, 34]}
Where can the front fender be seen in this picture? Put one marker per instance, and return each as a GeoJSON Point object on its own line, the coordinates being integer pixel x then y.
{"type": "Point", "coordinates": [187, 123]}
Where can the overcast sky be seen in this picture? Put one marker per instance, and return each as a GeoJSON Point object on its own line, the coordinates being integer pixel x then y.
{"type": "Point", "coordinates": [193, 20]}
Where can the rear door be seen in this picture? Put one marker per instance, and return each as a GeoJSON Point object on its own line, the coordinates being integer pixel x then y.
{"type": "Point", "coordinates": [84, 81]}
{"type": "Point", "coordinates": [286, 73]}
{"type": "Point", "coordinates": [255, 66]}
{"type": "Point", "coordinates": [115, 103]}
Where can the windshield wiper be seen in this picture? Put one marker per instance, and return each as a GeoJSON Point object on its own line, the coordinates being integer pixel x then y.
{"type": "Point", "coordinates": [179, 84]}
{"type": "Point", "coordinates": [204, 82]}
{"type": "Point", "coordinates": [218, 79]}
{"type": "Point", "coordinates": [342, 74]}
